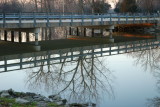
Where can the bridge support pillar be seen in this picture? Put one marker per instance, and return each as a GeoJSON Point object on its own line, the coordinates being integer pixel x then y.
{"type": "Point", "coordinates": [101, 33]}
{"type": "Point", "coordinates": [92, 32]}
{"type": "Point", "coordinates": [5, 35]}
{"type": "Point", "coordinates": [43, 36]}
{"type": "Point", "coordinates": [77, 31]}
{"type": "Point", "coordinates": [46, 34]}
{"type": "Point", "coordinates": [111, 39]}
{"type": "Point", "coordinates": [70, 30]}
{"type": "Point", "coordinates": [36, 47]}
{"type": "Point", "coordinates": [110, 29]}
{"type": "Point", "coordinates": [84, 32]}
{"type": "Point", "coordinates": [12, 36]}
{"type": "Point", "coordinates": [27, 36]}
{"type": "Point", "coordinates": [36, 39]}
{"type": "Point", "coordinates": [20, 37]}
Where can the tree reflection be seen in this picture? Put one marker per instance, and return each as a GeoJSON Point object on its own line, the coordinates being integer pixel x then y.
{"type": "Point", "coordinates": [83, 79]}
{"type": "Point", "coordinates": [155, 102]}
{"type": "Point", "coordinates": [149, 59]}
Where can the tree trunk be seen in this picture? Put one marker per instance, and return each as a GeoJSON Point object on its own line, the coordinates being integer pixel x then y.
{"type": "Point", "coordinates": [36, 5]}
{"type": "Point", "coordinates": [93, 6]}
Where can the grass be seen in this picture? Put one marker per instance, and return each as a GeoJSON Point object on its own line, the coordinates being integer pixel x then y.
{"type": "Point", "coordinates": [54, 105]}
{"type": "Point", "coordinates": [10, 102]}
{"type": "Point", "coordinates": [7, 102]}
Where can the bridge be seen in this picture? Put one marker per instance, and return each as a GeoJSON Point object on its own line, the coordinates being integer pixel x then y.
{"type": "Point", "coordinates": [32, 22]}
{"type": "Point", "coordinates": [38, 20]}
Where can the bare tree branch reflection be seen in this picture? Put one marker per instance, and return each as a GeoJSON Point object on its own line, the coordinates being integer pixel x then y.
{"type": "Point", "coordinates": [155, 102]}
{"type": "Point", "coordinates": [150, 59]}
{"type": "Point", "coordinates": [83, 79]}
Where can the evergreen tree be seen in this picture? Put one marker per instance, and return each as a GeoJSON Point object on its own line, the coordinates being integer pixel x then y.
{"type": "Point", "coordinates": [126, 6]}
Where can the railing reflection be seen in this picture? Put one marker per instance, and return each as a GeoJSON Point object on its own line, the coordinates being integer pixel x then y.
{"type": "Point", "coordinates": [31, 60]}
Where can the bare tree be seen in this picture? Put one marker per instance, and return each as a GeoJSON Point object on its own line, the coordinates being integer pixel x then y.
{"type": "Point", "coordinates": [148, 6]}
{"type": "Point", "coordinates": [81, 4]}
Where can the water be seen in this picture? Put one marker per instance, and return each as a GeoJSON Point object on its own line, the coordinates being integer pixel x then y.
{"type": "Point", "coordinates": [109, 77]}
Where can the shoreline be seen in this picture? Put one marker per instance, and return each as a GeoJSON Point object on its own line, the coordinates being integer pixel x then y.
{"type": "Point", "coordinates": [11, 98]}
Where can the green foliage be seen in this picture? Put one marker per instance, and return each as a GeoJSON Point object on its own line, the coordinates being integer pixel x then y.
{"type": "Point", "coordinates": [7, 102]}
{"type": "Point", "coordinates": [54, 105]}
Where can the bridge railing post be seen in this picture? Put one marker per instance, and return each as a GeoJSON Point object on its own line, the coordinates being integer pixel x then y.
{"type": "Point", "coordinates": [134, 17]}
{"type": "Point", "coordinates": [147, 17]}
{"type": "Point", "coordinates": [60, 20]}
{"type": "Point", "coordinates": [20, 19]}
{"type": "Point", "coordinates": [126, 18]}
{"type": "Point", "coordinates": [92, 16]}
{"type": "Point", "coordinates": [154, 17]}
{"type": "Point", "coordinates": [158, 14]}
{"type": "Point", "coordinates": [34, 18]}
{"type": "Point", "coordinates": [82, 21]}
{"type": "Point", "coordinates": [110, 18]}
{"type": "Point", "coordinates": [141, 18]}
{"type": "Point", "coordinates": [119, 18]}
{"type": "Point", "coordinates": [48, 22]}
{"type": "Point", "coordinates": [101, 19]}
{"type": "Point", "coordinates": [71, 23]}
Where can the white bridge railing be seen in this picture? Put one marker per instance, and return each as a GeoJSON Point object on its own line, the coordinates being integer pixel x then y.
{"type": "Point", "coordinates": [35, 18]}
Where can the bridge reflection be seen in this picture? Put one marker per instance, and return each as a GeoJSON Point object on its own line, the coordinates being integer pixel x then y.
{"type": "Point", "coordinates": [30, 60]}
{"type": "Point", "coordinates": [81, 73]}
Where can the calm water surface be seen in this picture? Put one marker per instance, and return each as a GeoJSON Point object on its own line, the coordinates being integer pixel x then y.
{"type": "Point", "coordinates": [122, 80]}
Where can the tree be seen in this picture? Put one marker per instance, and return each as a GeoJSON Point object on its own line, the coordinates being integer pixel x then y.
{"type": "Point", "coordinates": [11, 6]}
{"type": "Point", "coordinates": [117, 7]}
{"type": "Point", "coordinates": [81, 4]}
{"type": "Point", "coordinates": [101, 7]}
{"type": "Point", "coordinates": [149, 6]}
{"type": "Point", "coordinates": [126, 6]}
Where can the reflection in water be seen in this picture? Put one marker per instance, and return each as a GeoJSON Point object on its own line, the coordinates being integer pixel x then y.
{"type": "Point", "coordinates": [155, 102]}
{"type": "Point", "coordinates": [150, 59]}
{"type": "Point", "coordinates": [84, 79]}
{"type": "Point", "coordinates": [80, 74]}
